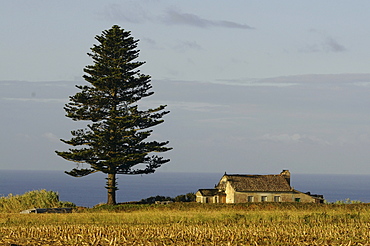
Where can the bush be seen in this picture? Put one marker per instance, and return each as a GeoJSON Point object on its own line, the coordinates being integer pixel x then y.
{"type": "Point", "coordinates": [32, 199]}
{"type": "Point", "coordinates": [154, 199]}
{"type": "Point", "coordinates": [348, 201]}
{"type": "Point", "coordinates": [189, 197]}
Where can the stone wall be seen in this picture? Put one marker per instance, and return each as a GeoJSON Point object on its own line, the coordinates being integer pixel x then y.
{"type": "Point", "coordinates": [243, 197]}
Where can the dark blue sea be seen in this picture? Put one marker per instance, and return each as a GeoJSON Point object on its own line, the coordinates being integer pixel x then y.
{"type": "Point", "coordinates": [89, 191]}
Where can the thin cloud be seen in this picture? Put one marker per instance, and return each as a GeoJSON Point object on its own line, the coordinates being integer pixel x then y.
{"type": "Point", "coordinates": [174, 17]}
{"type": "Point", "coordinates": [346, 78]}
{"type": "Point", "coordinates": [149, 41]}
{"type": "Point", "coordinates": [151, 44]}
{"type": "Point", "coordinates": [180, 104]}
{"type": "Point", "coordinates": [40, 100]}
{"type": "Point", "coordinates": [256, 82]}
{"type": "Point", "coordinates": [328, 44]}
{"type": "Point", "coordinates": [23, 136]}
{"type": "Point", "coordinates": [293, 139]}
{"type": "Point", "coordinates": [332, 45]}
{"type": "Point", "coordinates": [136, 14]}
{"type": "Point", "coordinates": [50, 136]}
{"type": "Point", "coordinates": [115, 12]}
{"type": "Point", "coordinates": [357, 79]}
{"type": "Point", "coordinates": [196, 106]}
{"type": "Point", "coordinates": [186, 45]}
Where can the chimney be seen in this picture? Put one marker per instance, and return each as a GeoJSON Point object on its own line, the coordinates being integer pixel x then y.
{"type": "Point", "coordinates": [286, 175]}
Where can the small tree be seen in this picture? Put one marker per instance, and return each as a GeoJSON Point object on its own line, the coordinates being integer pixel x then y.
{"type": "Point", "coordinates": [115, 142]}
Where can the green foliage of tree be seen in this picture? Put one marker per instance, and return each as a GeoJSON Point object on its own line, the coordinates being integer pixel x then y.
{"type": "Point", "coordinates": [189, 197]}
{"type": "Point", "coordinates": [157, 198]}
{"type": "Point", "coordinates": [116, 140]}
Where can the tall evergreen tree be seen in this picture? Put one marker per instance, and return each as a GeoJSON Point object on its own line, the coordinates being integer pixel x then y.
{"type": "Point", "coordinates": [115, 142]}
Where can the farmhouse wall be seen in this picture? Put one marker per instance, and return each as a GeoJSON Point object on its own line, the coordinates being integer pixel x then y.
{"type": "Point", "coordinates": [303, 197]}
{"type": "Point", "coordinates": [243, 197]}
{"type": "Point", "coordinates": [230, 193]}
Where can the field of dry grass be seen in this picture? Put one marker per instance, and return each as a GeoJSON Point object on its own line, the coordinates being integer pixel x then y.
{"type": "Point", "coordinates": [193, 224]}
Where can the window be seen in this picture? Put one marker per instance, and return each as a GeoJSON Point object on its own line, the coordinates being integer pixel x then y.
{"type": "Point", "coordinates": [277, 199]}
{"type": "Point", "coordinates": [250, 199]}
{"type": "Point", "coordinates": [263, 198]}
{"type": "Point", "coordinates": [297, 199]}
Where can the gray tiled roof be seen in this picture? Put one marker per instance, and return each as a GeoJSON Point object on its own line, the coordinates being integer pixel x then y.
{"type": "Point", "coordinates": [208, 192]}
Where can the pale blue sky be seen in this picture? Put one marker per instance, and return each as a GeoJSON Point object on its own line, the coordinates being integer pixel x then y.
{"type": "Point", "coordinates": [253, 86]}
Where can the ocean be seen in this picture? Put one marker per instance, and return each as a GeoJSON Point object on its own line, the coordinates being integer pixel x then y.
{"type": "Point", "coordinates": [89, 191]}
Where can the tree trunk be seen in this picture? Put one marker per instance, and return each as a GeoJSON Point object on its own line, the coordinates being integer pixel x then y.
{"type": "Point", "coordinates": [111, 187]}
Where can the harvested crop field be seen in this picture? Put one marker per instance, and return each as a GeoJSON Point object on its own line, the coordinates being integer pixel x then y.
{"type": "Point", "coordinates": [193, 224]}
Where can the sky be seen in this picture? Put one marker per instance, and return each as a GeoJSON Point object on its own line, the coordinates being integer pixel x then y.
{"type": "Point", "coordinates": [252, 86]}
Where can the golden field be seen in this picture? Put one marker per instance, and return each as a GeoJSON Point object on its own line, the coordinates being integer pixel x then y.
{"type": "Point", "coordinates": [193, 224]}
